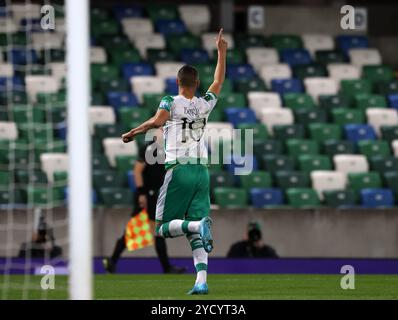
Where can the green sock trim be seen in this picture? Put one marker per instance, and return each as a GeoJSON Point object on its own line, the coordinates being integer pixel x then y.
{"type": "Point", "coordinates": [184, 226]}
{"type": "Point", "coordinates": [196, 244]}
{"type": "Point", "coordinates": [200, 267]}
{"type": "Point", "coordinates": [165, 230]}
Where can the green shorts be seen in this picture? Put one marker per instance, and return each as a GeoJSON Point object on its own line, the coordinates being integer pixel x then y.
{"type": "Point", "coordinates": [184, 194]}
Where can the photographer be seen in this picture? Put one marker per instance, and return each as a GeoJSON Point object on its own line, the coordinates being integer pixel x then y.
{"type": "Point", "coordinates": [253, 247]}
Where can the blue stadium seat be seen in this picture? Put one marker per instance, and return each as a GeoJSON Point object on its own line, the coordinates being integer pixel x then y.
{"type": "Point", "coordinates": [120, 99]}
{"type": "Point", "coordinates": [295, 57]}
{"type": "Point", "coordinates": [393, 101]}
{"type": "Point", "coordinates": [168, 27]}
{"type": "Point", "coordinates": [347, 42]}
{"type": "Point", "coordinates": [377, 198]}
{"type": "Point", "coordinates": [131, 180]}
{"type": "Point", "coordinates": [194, 56]}
{"type": "Point", "coordinates": [22, 56]}
{"type": "Point", "coordinates": [61, 130]}
{"type": "Point", "coordinates": [264, 197]}
{"type": "Point", "coordinates": [286, 86]}
{"type": "Point", "coordinates": [240, 115]}
{"type": "Point", "coordinates": [241, 163]}
{"type": "Point", "coordinates": [136, 69]}
{"type": "Point", "coordinates": [11, 83]}
{"type": "Point", "coordinates": [171, 86]}
{"type": "Point", "coordinates": [129, 11]}
{"type": "Point", "coordinates": [357, 132]}
{"type": "Point", "coordinates": [240, 71]}
{"type": "Point", "coordinates": [31, 24]}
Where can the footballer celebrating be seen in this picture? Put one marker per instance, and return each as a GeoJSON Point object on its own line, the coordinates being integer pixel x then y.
{"type": "Point", "coordinates": [183, 205]}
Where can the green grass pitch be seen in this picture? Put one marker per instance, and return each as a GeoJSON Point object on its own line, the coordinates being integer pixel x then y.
{"type": "Point", "coordinates": [231, 286]}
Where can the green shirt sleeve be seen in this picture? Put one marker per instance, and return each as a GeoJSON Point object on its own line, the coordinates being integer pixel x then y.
{"type": "Point", "coordinates": [166, 103]}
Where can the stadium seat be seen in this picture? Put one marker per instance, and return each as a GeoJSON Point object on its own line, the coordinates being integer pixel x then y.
{"type": "Point", "coordinates": [162, 12]}
{"type": "Point", "coordinates": [146, 84]}
{"type": "Point", "coordinates": [121, 99]}
{"type": "Point", "coordinates": [171, 86]}
{"type": "Point", "coordinates": [285, 41]}
{"type": "Point", "coordinates": [347, 42]}
{"type": "Point", "coordinates": [151, 41]}
{"type": "Point", "coordinates": [389, 133]}
{"type": "Point", "coordinates": [340, 198]}
{"type": "Point", "coordinates": [370, 148]}
{"type": "Point", "coordinates": [238, 115]}
{"type": "Point", "coordinates": [100, 71]}
{"type": "Point", "coordinates": [238, 71]}
{"type": "Point", "coordinates": [52, 162]}
{"type": "Point", "coordinates": [120, 11]}
{"type": "Point", "coordinates": [246, 41]}
{"type": "Point", "coordinates": [157, 55]}
{"type": "Point", "coordinates": [348, 163]}
{"type": "Point", "coordinates": [292, 179]}
{"type": "Point", "coordinates": [387, 87]}
{"type": "Point", "coordinates": [394, 145]}
{"type": "Point", "coordinates": [116, 197]}
{"type": "Point", "coordinates": [241, 165]}
{"type": "Point", "coordinates": [297, 147]}
{"type": "Point", "coordinates": [220, 179]}
{"type": "Point", "coordinates": [256, 179]}
{"type": "Point", "coordinates": [393, 101]}
{"type": "Point", "coordinates": [352, 87]}
{"type": "Point", "coordinates": [47, 196]}
{"type": "Point", "coordinates": [115, 146]}
{"type": "Point", "coordinates": [309, 70]}
{"type": "Point", "coordinates": [230, 198]}
{"type": "Point", "coordinates": [12, 197]}
{"type": "Point", "coordinates": [99, 162]}
{"type": "Point", "coordinates": [124, 55]}
{"type": "Point", "coordinates": [364, 101]}
{"type": "Point", "coordinates": [302, 198]}
{"type": "Point", "coordinates": [167, 26]}
{"type": "Point", "coordinates": [326, 180]}
{"type": "Point", "coordinates": [108, 130]}
{"type": "Point", "coordinates": [254, 84]}
{"type": "Point", "coordinates": [343, 71]}
{"type": "Point", "coordinates": [378, 117]}
{"type": "Point", "coordinates": [295, 57]}
{"type": "Point", "coordinates": [315, 42]}
{"type": "Point", "coordinates": [136, 26]}
{"type": "Point", "coordinates": [376, 73]}
{"type": "Point", "coordinates": [36, 84]}
{"type": "Point", "coordinates": [275, 71]}
{"type": "Point", "coordinates": [305, 116]}
{"type": "Point", "coordinates": [194, 56]}
{"type": "Point", "coordinates": [196, 17]}
{"type": "Point", "coordinates": [115, 85]}
{"type": "Point", "coordinates": [329, 102]}
{"type": "Point", "coordinates": [309, 163]}
{"type": "Point", "coordinates": [209, 44]}
{"type": "Point", "coordinates": [361, 57]}
{"type": "Point", "coordinates": [231, 100]}
{"type": "Point", "coordinates": [101, 115]}
{"type": "Point", "coordinates": [315, 86]}
{"type": "Point", "coordinates": [324, 131]}
{"type": "Point", "coordinates": [283, 86]}
{"type": "Point", "coordinates": [259, 57]}
{"type": "Point", "coordinates": [260, 101]}
{"type": "Point", "coordinates": [136, 69]}
{"type": "Point", "coordinates": [297, 101]}
{"type": "Point", "coordinates": [107, 179]}
{"type": "Point", "coordinates": [288, 131]}
{"type": "Point", "coordinates": [377, 198]}
{"type": "Point", "coordinates": [266, 197]}
{"type": "Point", "coordinates": [363, 180]}
{"type": "Point", "coordinates": [124, 163]}
{"type": "Point", "coordinates": [176, 43]}
{"type": "Point", "coordinates": [8, 130]}
{"type": "Point", "coordinates": [342, 116]}
{"type": "Point", "coordinates": [329, 56]}
{"type": "Point", "coordinates": [271, 117]}
{"type": "Point", "coordinates": [262, 147]}
{"type": "Point", "coordinates": [97, 55]}
{"type": "Point", "coordinates": [169, 69]}
{"type": "Point", "coordinates": [357, 132]}
{"type": "Point", "coordinates": [260, 132]}
{"type": "Point", "coordinates": [274, 162]}
{"type": "Point", "coordinates": [383, 164]}
{"type": "Point", "coordinates": [24, 176]}
{"type": "Point", "coordinates": [391, 181]}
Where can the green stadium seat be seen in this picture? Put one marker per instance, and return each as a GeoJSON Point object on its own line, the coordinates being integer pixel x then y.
{"type": "Point", "coordinates": [285, 41]}
{"type": "Point", "coordinates": [127, 115]}
{"type": "Point", "coordinates": [18, 38]}
{"type": "Point", "coordinates": [98, 99]}
{"type": "Point", "coordinates": [339, 198]}
{"type": "Point", "coordinates": [377, 73]}
{"type": "Point", "coordinates": [244, 41]}
{"type": "Point", "coordinates": [333, 147]}
{"type": "Point", "coordinates": [16, 152]}
{"type": "Point", "coordinates": [289, 131]}
{"type": "Point", "coordinates": [384, 164]}
{"type": "Point", "coordinates": [99, 161]}
{"type": "Point", "coordinates": [342, 116]}
{"type": "Point", "coordinates": [96, 145]}
{"type": "Point", "coordinates": [231, 100]}
{"type": "Point", "coordinates": [352, 87]}
{"type": "Point", "coordinates": [106, 85]}
{"type": "Point", "coordinates": [364, 101]}
{"type": "Point", "coordinates": [257, 179]}
{"type": "Point", "coordinates": [186, 41]}
{"type": "Point", "coordinates": [25, 176]}
{"type": "Point", "coordinates": [61, 178]}
{"type": "Point", "coordinates": [29, 131]}
{"type": "Point", "coordinates": [230, 198]}
{"type": "Point", "coordinates": [371, 148]}
{"type": "Point", "coordinates": [234, 56]}
{"type": "Point", "coordinates": [296, 147]}
{"type": "Point", "coordinates": [13, 97]}
{"type": "Point", "coordinates": [389, 133]}
{"type": "Point", "coordinates": [292, 179]}
{"type": "Point", "coordinates": [302, 198]}
{"type": "Point", "coordinates": [246, 85]}
{"type": "Point", "coordinates": [387, 87]}
{"type": "Point", "coordinates": [206, 81]}
{"type": "Point", "coordinates": [45, 196]}
{"type": "Point", "coordinates": [206, 69]}
{"type": "Point", "coordinates": [98, 14]}
{"type": "Point", "coordinates": [267, 147]}
{"type": "Point", "coordinates": [310, 70]}
{"type": "Point", "coordinates": [275, 162]}
{"type": "Point", "coordinates": [329, 56]}
{"type": "Point", "coordinates": [6, 177]}
{"type": "Point", "coordinates": [11, 197]}
{"type": "Point", "coordinates": [312, 115]}
{"type": "Point", "coordinates": [116, 197]}
{"type": "Point", "coordinates": [52, 97]}
{"type": "Point", "coordinates": [125, 163]}
{"type": "Point", "coordinates": [107, 178]}
{"type": "Point", "coordinates": [23, 113]}
{"type": "Point", "coordinates": [308, 163]}
{"type": "Point", "coordinates": [162, 12]}
{"type": "Point", "coordinates": [216, 115]}
{"type": "Point", "coordinates": [158, 55]}
{"type": "Point", "coordinates": [125, 55]}
{"type": "Point", "coordinates": [260, 131]}
{"type": "Point", "coordinates": [298, 101]}
{"type": "Point", "coordinates": [220, 179]}
{"type": "Point", "coordinates": [391, 181]}
{"type": "Point", "coordinates": [100, 71]}
{"type": "Point", "coordinates": [114, 42]}
{"type": "Point", "coordinates": [329, 102]}
{"type": "Point", "coordinates": [104, 27]}
{"type": "Point", "coordinates": [151, 101]}
{"type": "Point", "coordinates": [364, 180]}
{"type": "Point", "coordinates": [324, 131]}
{"type": "Point", "coordinates": [108, 130]}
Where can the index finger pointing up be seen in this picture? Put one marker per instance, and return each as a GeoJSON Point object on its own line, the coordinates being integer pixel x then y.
{"type": "Point", "coordinates": [220, 33]}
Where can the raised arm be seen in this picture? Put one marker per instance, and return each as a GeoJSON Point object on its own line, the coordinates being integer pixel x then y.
{"type": "Point", "coordinates": [219, 73]}
{"type": "Point", "coordinates": [156, 121]}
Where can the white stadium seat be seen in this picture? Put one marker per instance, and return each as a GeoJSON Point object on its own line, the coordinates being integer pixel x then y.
{"type": "Point", "coordinates": [47, 40]}
{"type": "Point", "coordinates": [314, 42]}
{"type": "Point", "coordinates": [115, 146]}
{"type": "Point", "coordinates": [6, 69]}
{"type": "Point", "coordinates": [271, 117]}
{"type": "Point", "coordinates": [8, 25]}
{"type": "Point", "coordinates": [134, 27]}
{"type": "Point", "coordinates": [259, 100]}
{"type": "Point", "coordinates": [320, 86]}
{"type": "Point", "coordinates": [275, 71]}
{"type": "Point", "coordinates": [362, 57]}
{"type": "Point", "coordinates": [209, 42]}
{"type": "Point", "coordinates": [394, 146]}
{"type": "Point", "coordinates": [323, 180]}
{"type": "Point", "coordinates": [101, 115]}
{"type": "Point", "coordinates": [149, 41]}
{"type": "Point", "coordinates": [348, 163]}
{"type": "Point", "coordinates": [25, 10]}
{"type": "Point", "coordinates": [97, 55]}
{"type": "Point", "coordinates": [196, 17]}
{"type": "Point", "coordinates": [166, 70]}
{"type": "Point", "coordinates": [259, 57]}
{"type": "Point", "coordinates": [8, 130]}
{"type": "Point", "coordinates": [146, 84]}
{"type": "Point", "coordinates": [378, 117]}
{"type": "Point", "coordinates": [58, 70]}
{"type": "Point", "coordinates": [36, 84]}
{"type": "Point", "coordinates": [343, 71]}
{"type": "Point", "coordinates": [53, 162]}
